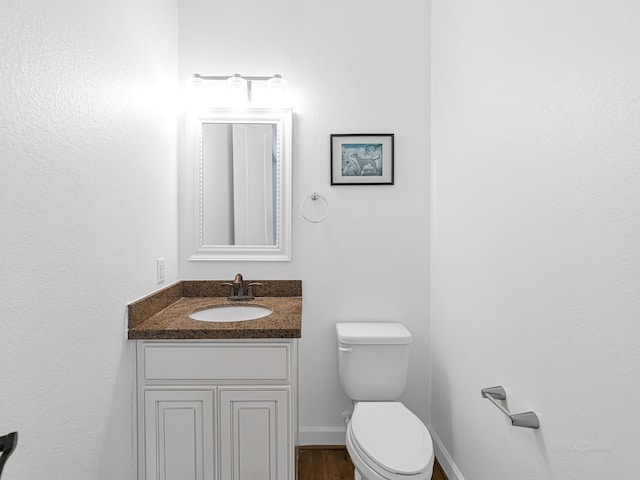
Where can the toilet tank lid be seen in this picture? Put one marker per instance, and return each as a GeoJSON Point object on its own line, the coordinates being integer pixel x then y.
{"type": "Point", "coordinates": [373, 333]}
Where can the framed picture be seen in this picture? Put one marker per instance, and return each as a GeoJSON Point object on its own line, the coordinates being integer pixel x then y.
{"type": "Point", "coordinates": [362, 159]}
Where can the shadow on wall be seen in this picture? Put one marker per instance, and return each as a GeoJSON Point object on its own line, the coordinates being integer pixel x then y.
{"type": "Point", "coordinates": [441, 403]}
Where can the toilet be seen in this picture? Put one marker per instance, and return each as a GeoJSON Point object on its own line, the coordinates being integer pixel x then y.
{"type": "Point", "coordinates": [385, 440]}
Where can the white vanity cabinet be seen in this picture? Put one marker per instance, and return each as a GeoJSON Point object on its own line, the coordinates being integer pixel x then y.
{"type": "Point", "coordinates": [216, 409]}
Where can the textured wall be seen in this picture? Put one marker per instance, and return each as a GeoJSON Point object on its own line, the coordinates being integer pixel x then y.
{"type": "Point", "coordinates": [352, 67]}
{"type": "Point", "coordinates": [535, 235]}
{"type": "Point", "coordinates": [87, 203]}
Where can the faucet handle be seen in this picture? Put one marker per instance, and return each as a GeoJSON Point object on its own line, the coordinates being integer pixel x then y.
{"type": "Point", "coordinates": [251, 285]}
{"type": "Point", "coordinates": [230, 285]}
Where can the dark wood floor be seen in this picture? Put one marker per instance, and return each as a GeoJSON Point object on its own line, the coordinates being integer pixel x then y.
{"type": "Point", "coordinates": [328, 462]}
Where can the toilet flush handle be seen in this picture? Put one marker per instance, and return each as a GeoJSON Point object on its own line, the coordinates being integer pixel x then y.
{"type": "Point", "coordinates": [345, 349]}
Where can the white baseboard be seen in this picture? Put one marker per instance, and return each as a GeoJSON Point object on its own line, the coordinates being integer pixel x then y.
{"type": "Point", "coordinates": [444, 459]}
{"type": "Point", "coordinates": [322, 435]}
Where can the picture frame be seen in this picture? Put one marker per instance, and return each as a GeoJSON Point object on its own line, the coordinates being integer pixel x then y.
{"type": "Point", "coordinates": [362, 159]}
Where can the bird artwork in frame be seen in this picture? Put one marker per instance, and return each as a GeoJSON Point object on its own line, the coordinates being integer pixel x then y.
{"type": "Point", "coordinates": [362, 159]}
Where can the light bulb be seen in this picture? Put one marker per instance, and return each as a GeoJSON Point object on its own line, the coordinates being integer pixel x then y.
{"type": "Point", "coordinates": [277, 84]}
{"type": "Point", "coordinates": [238, 89]}
{"type": "Point", "coordinates": [194, 82]}
{"type": "Point", "coordinates": [237, 83]}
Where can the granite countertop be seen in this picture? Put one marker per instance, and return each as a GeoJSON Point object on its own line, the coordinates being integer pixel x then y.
{"type": "Point", "coordinates": [165, 314]}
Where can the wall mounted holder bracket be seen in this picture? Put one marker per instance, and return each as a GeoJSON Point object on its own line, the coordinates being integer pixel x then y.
{"type": "Point", "coordinates": [526, 419]}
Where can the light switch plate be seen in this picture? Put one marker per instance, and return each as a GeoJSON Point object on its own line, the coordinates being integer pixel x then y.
{"type": "Point", "coordinates": [160, 270]}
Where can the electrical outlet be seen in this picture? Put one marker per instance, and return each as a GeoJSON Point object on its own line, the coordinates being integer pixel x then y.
{"type": "Point", "coordinates": [160, 270]}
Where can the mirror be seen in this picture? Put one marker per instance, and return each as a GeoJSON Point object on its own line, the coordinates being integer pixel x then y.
{"type": "Point", "coordinates": [239, 189]}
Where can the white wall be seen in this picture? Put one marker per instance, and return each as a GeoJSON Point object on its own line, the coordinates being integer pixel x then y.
{"type": "Point", "coordinates": [535, 234]}
{"type": "Point", "coordinates": [87, 204]}
{"type": "Point", "coordinates": [351, 67]}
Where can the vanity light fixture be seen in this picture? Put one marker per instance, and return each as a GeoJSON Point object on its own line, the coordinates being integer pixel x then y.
{"type": "Point", "coordinates": [239, 86]}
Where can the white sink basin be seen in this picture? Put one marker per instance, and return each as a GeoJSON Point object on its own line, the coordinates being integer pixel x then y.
{"type": "Point", "coordinates": [231, 313]}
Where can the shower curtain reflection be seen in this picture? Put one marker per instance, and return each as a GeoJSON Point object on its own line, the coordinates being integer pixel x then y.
{"type": "Point", "coordinates": [239, 176]}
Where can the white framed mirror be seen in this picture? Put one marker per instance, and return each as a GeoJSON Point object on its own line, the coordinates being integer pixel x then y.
{"type": "Point", "coordinates": [238, 198]}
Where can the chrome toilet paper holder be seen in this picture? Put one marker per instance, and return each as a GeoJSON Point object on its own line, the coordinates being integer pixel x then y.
{"type": "Point", "coordinates": [526, 419]}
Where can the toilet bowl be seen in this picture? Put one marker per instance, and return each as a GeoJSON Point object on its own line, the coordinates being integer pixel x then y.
{"type": "Point", "coordinates": [386, 441]}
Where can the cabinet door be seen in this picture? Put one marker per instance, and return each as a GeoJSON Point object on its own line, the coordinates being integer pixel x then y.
{"type": "Point", "coordinates": [255, 438]}
{"type": "Point", "coordinates": [179, 438]}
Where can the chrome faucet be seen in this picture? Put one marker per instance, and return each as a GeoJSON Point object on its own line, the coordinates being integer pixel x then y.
{"type": "Point", "coordinates": [237, 290]}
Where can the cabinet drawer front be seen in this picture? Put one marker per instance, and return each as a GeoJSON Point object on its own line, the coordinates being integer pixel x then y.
{"type": "Point", "coordinates": [217, 362]}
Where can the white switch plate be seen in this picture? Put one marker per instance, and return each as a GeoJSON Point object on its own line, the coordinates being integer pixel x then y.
{"type": "Point", "coordinates": [160, 270]}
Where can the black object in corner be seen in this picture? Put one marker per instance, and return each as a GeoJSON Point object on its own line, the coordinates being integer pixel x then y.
{"type": "Point", "coordinates": [8, 444]}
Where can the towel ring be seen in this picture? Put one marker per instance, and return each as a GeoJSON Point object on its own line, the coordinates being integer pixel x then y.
{"type": "Point", "coordinates": [314, 196]}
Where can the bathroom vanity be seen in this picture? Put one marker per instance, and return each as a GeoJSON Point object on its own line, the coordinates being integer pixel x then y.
{"type": "Point", "coordinates": [216, 400]}
{"type": "Point", "coordinates": [216, 396]}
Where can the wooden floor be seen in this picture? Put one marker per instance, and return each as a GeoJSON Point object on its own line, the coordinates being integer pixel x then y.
{"type": "Point", "coordinates": [327, 462]}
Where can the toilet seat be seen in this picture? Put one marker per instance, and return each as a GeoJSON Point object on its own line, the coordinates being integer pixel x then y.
{"type": "Point", "coordinates": [391, 440]}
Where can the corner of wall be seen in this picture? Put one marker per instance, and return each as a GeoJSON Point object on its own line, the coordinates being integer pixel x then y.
{"type": "Point", "coordinates": [444, 459]}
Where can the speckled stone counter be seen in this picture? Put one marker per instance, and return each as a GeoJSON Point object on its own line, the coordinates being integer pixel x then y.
{"type": "Point", "coordinates": [165, 313]}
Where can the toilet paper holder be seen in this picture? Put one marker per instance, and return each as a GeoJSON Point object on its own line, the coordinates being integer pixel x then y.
{"type": "Point", "coordinates": [526, 419]}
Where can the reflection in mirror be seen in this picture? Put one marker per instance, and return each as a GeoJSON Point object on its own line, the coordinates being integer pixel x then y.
{"type": "Point", "coordinates": [238, 197]}
{"type": "Point", "coordinates": [239, 186]}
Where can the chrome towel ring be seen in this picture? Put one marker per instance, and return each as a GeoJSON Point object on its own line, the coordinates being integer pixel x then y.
{"type": "Point", "coordinates": [314, 212]}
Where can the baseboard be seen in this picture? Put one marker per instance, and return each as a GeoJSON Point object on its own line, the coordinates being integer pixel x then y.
{"type": "Point", "coordinates": [444, 459]}
{"type": "Point", "coordinates": [321, 435]}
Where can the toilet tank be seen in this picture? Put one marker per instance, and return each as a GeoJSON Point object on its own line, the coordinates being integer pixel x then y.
{"type": "Point", "coordinates": [373, 359]}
